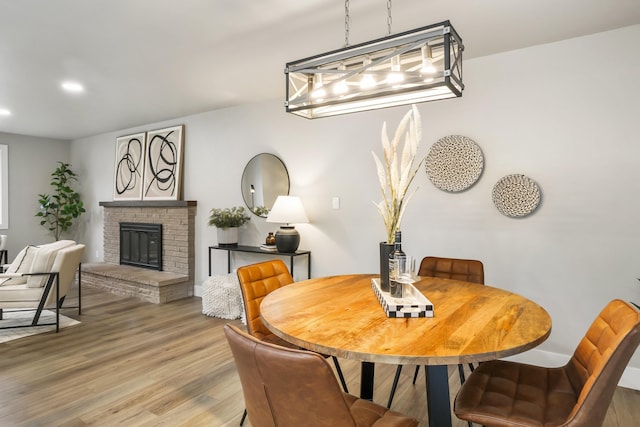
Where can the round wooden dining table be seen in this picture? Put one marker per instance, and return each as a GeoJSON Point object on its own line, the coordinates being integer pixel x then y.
{"type": "Point", "coordinates": [341, 316]}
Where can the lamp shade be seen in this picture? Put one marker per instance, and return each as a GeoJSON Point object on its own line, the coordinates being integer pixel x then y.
{"type": "Point", "coordinates": [287, 210]}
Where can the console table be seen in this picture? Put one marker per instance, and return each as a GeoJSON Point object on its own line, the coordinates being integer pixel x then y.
{"type": "Point", "coordinates": [257, 250]}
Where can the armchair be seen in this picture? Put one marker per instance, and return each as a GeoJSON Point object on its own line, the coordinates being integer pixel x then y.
{"type": "Point", "coordinates": [40, 277]}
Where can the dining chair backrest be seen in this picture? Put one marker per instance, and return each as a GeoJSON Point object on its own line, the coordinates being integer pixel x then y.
{"type": "Point", "coordinates": [288, 387]}
{"type": "Point", "coordinates": [577, 394]}
{"type": "Point", "coordinates": [468, 270]}
{"type": "Point", "coordinates": [256, 282]}
{"type": "Point", "coordinates": [284, 386]}
{"type": "Point", "coordinates": [600, 359]}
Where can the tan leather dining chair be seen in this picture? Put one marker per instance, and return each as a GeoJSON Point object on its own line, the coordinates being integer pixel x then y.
{"type": "Point", "coordinates": [256, 282]}
{"type": "Point", "coordinates": [287, 387]}
{"type": "Point", "coordinates": [468, 270]}
{"type": "Point", "coordinates": [501, 393]}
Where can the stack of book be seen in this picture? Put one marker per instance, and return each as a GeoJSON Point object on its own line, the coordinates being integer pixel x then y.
{"type": "Point", "coordinates": [414, 305]}
{"type": "Point", "coordinates": [268, 248]}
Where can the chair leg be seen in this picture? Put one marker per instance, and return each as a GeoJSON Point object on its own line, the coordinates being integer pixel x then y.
{"type": "Point", "coordinates": [394, 386]}
{"type": "Point", "coordinates": [80, 289]}
{"type": "Point", "coordinates": [415, 374]}
{"type": "Point", "coordinates": [471, 367]}
{"type": "Point", "coordinates": [461, 373]}
{"type": "Point", "coordinates": [244, 415]}
{"type": "Point", "coordinates": [340, 375]}
{"type": "Point", "coordinates": [462, 379]}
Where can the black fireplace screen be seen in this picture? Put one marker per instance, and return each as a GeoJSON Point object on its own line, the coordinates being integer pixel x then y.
{"type": "Point", "coordinates": [141, 245]}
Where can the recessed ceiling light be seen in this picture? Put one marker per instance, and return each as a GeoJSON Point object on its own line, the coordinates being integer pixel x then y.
{"type": "Point", "coordinates": [72, 87]}
{"type": "Point", "coordinates": [4, 112]}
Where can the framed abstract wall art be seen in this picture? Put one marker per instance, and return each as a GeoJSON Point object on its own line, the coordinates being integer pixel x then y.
{"type": "Point", "coordinates": [163, 164]}
{"type": "Point", "coordinates": [129, 167]}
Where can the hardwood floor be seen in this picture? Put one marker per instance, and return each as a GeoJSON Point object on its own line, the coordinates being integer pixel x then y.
{"type": "Point", "coordinates": [139, 364]}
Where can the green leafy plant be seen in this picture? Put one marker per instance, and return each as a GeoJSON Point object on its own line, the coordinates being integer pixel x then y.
{"type": "Point", "coordinates": [228, 217]}
{"type": "Point", "coordinates": [60, 209]}
{"type": "Point", "coordinates": [261, 211]}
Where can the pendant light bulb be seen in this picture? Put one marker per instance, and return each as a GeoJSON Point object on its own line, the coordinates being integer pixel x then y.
{"type": "Point", "coordinates": [367, 81]}
{"type": "Point", "coordinates": [340, 87]}
{"type": "Point", "coordinates": [395, 76]}
{"type": "Point", "coordinates": [319, 92]}
{"type": "Point", "coordinates": [428, 69]}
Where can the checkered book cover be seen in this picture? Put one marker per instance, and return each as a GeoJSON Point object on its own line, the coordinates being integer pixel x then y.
{"type": "Point", "coordinates": [424, 307]}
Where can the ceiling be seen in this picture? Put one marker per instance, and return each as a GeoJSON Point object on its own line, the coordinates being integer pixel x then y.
{"type": "Point", "coordinates": [144, 61]}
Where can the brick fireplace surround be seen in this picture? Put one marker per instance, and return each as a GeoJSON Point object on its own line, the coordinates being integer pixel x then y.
{"type": "Point", "coordinates": [176, 279]}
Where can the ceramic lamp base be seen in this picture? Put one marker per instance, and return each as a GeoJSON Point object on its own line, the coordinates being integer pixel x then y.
{"type": "Point", "coordinates": [287, 239]}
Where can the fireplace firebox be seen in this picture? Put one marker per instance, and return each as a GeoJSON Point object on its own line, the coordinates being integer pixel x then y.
{"type": "Point", "coordinates": [141, 245]}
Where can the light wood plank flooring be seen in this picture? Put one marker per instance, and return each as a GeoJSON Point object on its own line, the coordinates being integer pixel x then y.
{"type": "Point", "coordinates": [139, 364]}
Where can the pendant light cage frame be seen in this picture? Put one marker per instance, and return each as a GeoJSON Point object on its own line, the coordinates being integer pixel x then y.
{"type": "Point", "coordinates": [415, 66]}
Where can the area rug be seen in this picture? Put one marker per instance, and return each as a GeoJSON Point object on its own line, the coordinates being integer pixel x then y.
{"type": "Point", "coordinates": [25, 318]}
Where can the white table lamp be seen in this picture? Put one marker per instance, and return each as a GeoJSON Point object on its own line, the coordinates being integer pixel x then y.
{"type": "Point", "coordinates": [287, 210]}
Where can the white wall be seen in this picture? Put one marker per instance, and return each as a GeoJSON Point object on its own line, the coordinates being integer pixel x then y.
{"type": "Point", "coordinates": [564, 114]}
{"type": "Point", "coordinates": [31, 162]}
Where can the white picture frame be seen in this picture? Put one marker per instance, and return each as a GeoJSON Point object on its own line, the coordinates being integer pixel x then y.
{"type": "Point", "coordinates": [163, 164]}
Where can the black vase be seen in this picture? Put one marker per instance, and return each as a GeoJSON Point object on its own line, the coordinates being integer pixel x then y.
{"type": "Point", "coordinates": [385, 251]}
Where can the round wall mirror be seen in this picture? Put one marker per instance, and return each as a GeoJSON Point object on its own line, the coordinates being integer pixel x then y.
{"type": "Point", "coordinates": [264, 179]}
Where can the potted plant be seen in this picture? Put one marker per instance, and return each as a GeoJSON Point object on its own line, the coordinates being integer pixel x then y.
{"type": "Point", "coordinates": [227, 221]}
{"type": "Point", "coordinates": [59, 210]}
{"type": "Point", "coordinates": [396, 171]}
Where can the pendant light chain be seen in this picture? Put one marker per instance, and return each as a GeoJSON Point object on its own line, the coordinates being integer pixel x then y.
{"type": "Point", "coordinates": [388, 17]}
{"type": "Point", "coordinates": [346, 23]}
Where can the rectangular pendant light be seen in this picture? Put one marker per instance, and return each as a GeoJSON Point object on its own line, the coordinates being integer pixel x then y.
{"type": "Point", "coordinates": [420, 65]}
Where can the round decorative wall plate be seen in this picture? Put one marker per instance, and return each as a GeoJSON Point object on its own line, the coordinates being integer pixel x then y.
{"type": "Point", "coordinates": [516, 195]}
{"type": "Point", "coordinates": [454, 163]}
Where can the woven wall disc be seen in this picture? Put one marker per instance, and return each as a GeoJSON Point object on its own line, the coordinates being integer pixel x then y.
{"type": "Point", "coordinates": [454, 163]}
{"type": "Point", "coordinates": [516, 195]}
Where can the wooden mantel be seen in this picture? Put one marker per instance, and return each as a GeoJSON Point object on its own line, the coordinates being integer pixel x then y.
{"type": "Point", "coordinates": [149, 204]}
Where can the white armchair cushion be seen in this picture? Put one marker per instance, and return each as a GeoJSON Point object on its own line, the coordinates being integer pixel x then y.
{"type": "Point", "coordinates": [43, 261]}
{"type": "Point", "coordinates": [19, 296]}
{"type": "Point", "coordinates": [20, 265]}
{"type": "Point", "coordinates": [22, 262]}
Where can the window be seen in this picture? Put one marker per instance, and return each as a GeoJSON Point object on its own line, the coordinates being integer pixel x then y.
{"type": "Point", "coordinates": [4, 187]}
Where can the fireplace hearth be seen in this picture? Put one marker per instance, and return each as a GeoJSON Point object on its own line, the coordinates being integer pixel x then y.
{"type": "Point", "coordinates": [141, 245]}
{"type": "Point", "coordinates": [175, 280]}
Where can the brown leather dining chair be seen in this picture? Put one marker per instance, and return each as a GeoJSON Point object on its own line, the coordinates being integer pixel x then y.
{"type": "Point", "coordinates": [256, 282]}
{"type": "Point", "coordinates": [468, 270]}
{"type": "Point", "coordinates": [287, 387]}
{"type": "Point", "coordinates": [503, 393]}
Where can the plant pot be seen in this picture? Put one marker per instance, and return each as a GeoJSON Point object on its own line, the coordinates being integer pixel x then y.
{"type": "Point", "coordinates": [385, 251]}
{"type": "Point", "coordinates": [228, 236]}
